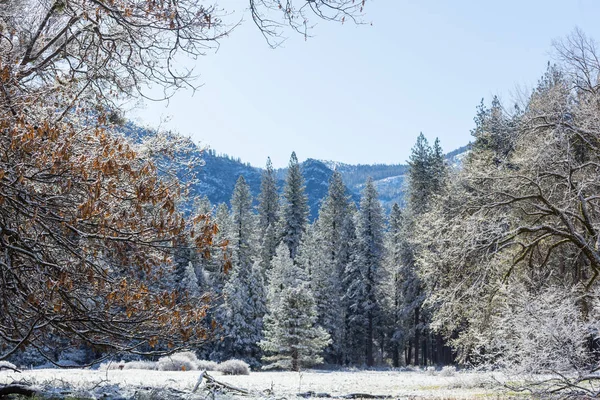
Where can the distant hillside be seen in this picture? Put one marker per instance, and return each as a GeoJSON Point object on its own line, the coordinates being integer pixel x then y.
{"type": "Point", "coordinates": [218, 175]}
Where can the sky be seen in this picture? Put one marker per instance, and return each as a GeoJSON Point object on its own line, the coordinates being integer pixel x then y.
{"type": "Point", "coordinates": [362, 93]}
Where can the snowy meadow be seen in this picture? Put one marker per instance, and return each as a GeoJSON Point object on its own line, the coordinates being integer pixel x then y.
{"type": "Point", "coordinates": [146, 384]}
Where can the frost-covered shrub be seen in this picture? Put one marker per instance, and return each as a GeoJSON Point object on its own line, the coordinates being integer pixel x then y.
{"type": "Point", "coordinates": [430, 370]}
{"type": "Point", "coordinates": [541, 332]}
{"type": "Point", "coordinates": [6, 365]}
{"type": "Point", "coordinates": [448, 370]}
{"type": "Point", "coordinates": [204, 365]}
{"type": "Point", "coordinates": [183, 361]}
{"type": "Point", "coordinates": [148, 365]}
{"type": "Point", "coordinates": [234, 367]}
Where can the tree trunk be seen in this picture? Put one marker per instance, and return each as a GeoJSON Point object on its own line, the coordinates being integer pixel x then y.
{"type": "Point", "coordinates": [424, 352]}
{"type": "Point", "coordinates": [417, 336]}
{"type": "Point", "coordinates": [369, 349]}
{"type": "Point", "coordinates": [396, 355]}
{"type": "Point", "coordinates": [439, 342]}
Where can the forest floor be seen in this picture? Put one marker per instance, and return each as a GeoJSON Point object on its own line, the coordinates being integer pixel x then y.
{"type": "Point", "coordinates": [144, 384]}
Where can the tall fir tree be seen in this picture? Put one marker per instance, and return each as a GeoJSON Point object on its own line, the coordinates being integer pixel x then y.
{"type": "Point", "coordinates": [419, 175]}
{"type": "Point", "coordinates": [268, 213]}
{"type": "Point", "coordinates": [330, 265]}
{"type": "Point", "coordinates": [244, 302]}
{"type": "Point", "coordinates": [218, 273]}
{"type": "Point", "coordinates": [394, 280]}
{"type": "Point", "coordinates": [427, 174]}
{"type": "Point", "coordinates": [220, 260]}
{"type": "Point", "coordinates": [293, 339]}
{"type": "Point", "coordinates": [295, 207]}
{"type": "Point", "coordinates": [364, 290]}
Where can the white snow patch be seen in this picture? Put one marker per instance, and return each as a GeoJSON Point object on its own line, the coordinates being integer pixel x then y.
{"type": "Point", "coordinates": [179, 384]}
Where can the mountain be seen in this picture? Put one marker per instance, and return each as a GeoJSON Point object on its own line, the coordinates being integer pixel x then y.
{"type": "Point", "coordinates": [217, 176]}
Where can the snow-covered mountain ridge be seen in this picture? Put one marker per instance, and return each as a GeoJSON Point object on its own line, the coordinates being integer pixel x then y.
{"type": "Point", "coordinates": [216, 178]}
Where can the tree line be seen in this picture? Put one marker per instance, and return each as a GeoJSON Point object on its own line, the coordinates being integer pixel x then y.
{"type": "Point", "coordinates": [492, 263]}
{"type": "Point", "coordinates": [340, 290]}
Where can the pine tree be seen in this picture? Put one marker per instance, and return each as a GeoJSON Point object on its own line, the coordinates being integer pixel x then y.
{"type": "Point", "coordinates": [295, 209]}
{"type": "Point", "coordinates": [268, 212]}
{"type": "Point", "coordinates": [354, 346]}
{"type": "Point", "coordinates": [245, 307]}
{"type": "Point", "coordinates": [330, 264]}
{"type": "Point", "coordinates": [217, 269]}
{"type": "Point", "coordinates": [420, 175]}
{"type": "Point", "coordinates": [244, 304]}
{"type": "Point", "coordinates": [364, 290]}
{"type": "Point", "coordinates": [243, 227]}
{"type": "Point", "coordinates": [220, 260]}
{"type": "Point", "coordinates": [292, 338]}
{"type": "Point", "coordinates": [190, 283]}
{"type": "Point", "coordinates": [438, 168]}
{"type": "Point", "coordinates": [427, 176]}
{"type": "Point", "coordinates": [393, 266]}
{"type": "Point", "coordinates": [284, 273]}
{"type": "Point", "coordinates": [494, 133]}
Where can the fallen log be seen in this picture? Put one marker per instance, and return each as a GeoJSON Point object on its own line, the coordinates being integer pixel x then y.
{"type": "Point", "coordinates": [7, 390]}
{"type": "Point", "coordinates": [212, 383]}
{"type": "Point", "coordinates": [311, 394]}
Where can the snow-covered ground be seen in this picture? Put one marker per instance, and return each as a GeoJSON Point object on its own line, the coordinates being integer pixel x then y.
{"type": "Point", "coordinates": [143, 384]}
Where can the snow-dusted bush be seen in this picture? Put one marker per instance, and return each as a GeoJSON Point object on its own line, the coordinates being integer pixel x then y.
{"type": "Point", "coordinates": [148, 365]}
{"type": "Point", "coordinates": [541, 332]}
{"type": "Point", "coordinates": [448, 370]}
{"type": "Point", "coordinates": [430, 370]}
{"type": "Point", "coordinates": [204, 365]}
{"type": "Point", "coordinates": [183, 361]}
{"type": "Point", "coordinates": [7, 365]}
{"type": "Point", "coordinates": [234, 367]}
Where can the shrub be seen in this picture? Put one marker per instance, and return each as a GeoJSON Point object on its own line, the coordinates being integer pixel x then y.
{"type": "Point", "coordinates": [448, 370]}
{"type": "Point", "coordinates": [204, 365]}
{"type": "Point", "coordinates": [183, 361]}
{"type": "Point", "coordinates": [7, 365]}
{"type": "Point", "coordinates": [234, 367]}
{"type": "Point", "coordinates": [149, 365]}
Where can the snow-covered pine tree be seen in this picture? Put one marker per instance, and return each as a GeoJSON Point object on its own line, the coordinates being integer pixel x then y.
{"type": "Point", "coordinates": [353, 351]}
{"type": "Point", "coordinates": [245, 307]}
{"type": "Point", "coordinates": [364, 290]}
{"type": "Point", "coordinates": [243, 241]}
{"type": "Point", "coordinates": [268, 213]}
{"type": "Point", "coordinates": [329, 266]}
{"type": "Point", "coordinates": [292, 338]}
{"type": "Point", "coordinates": [295, 207]}
{"type": "Point", "coordinates": [190, 283]}
{"type": "Point", "coordinates": [218, 264]}
{"type": "Point", "coordinates": [439, 169]}
{"type": "Point", "coordinates": [218, 274]}
{"type": "Point", "coordinates": [244, 302]}
{"type": "Point", "coordinates": [420, 175]}
{"type": "Point", "coordinates": [394, 283]}
{"type": "Point", "coordinates": [284, 273]}
{"type": "Point", "coordinates": [427, 175]}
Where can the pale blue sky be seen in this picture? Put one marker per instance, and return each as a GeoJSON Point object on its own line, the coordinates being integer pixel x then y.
{"type": "Point", "coordinates": [362, 94]}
